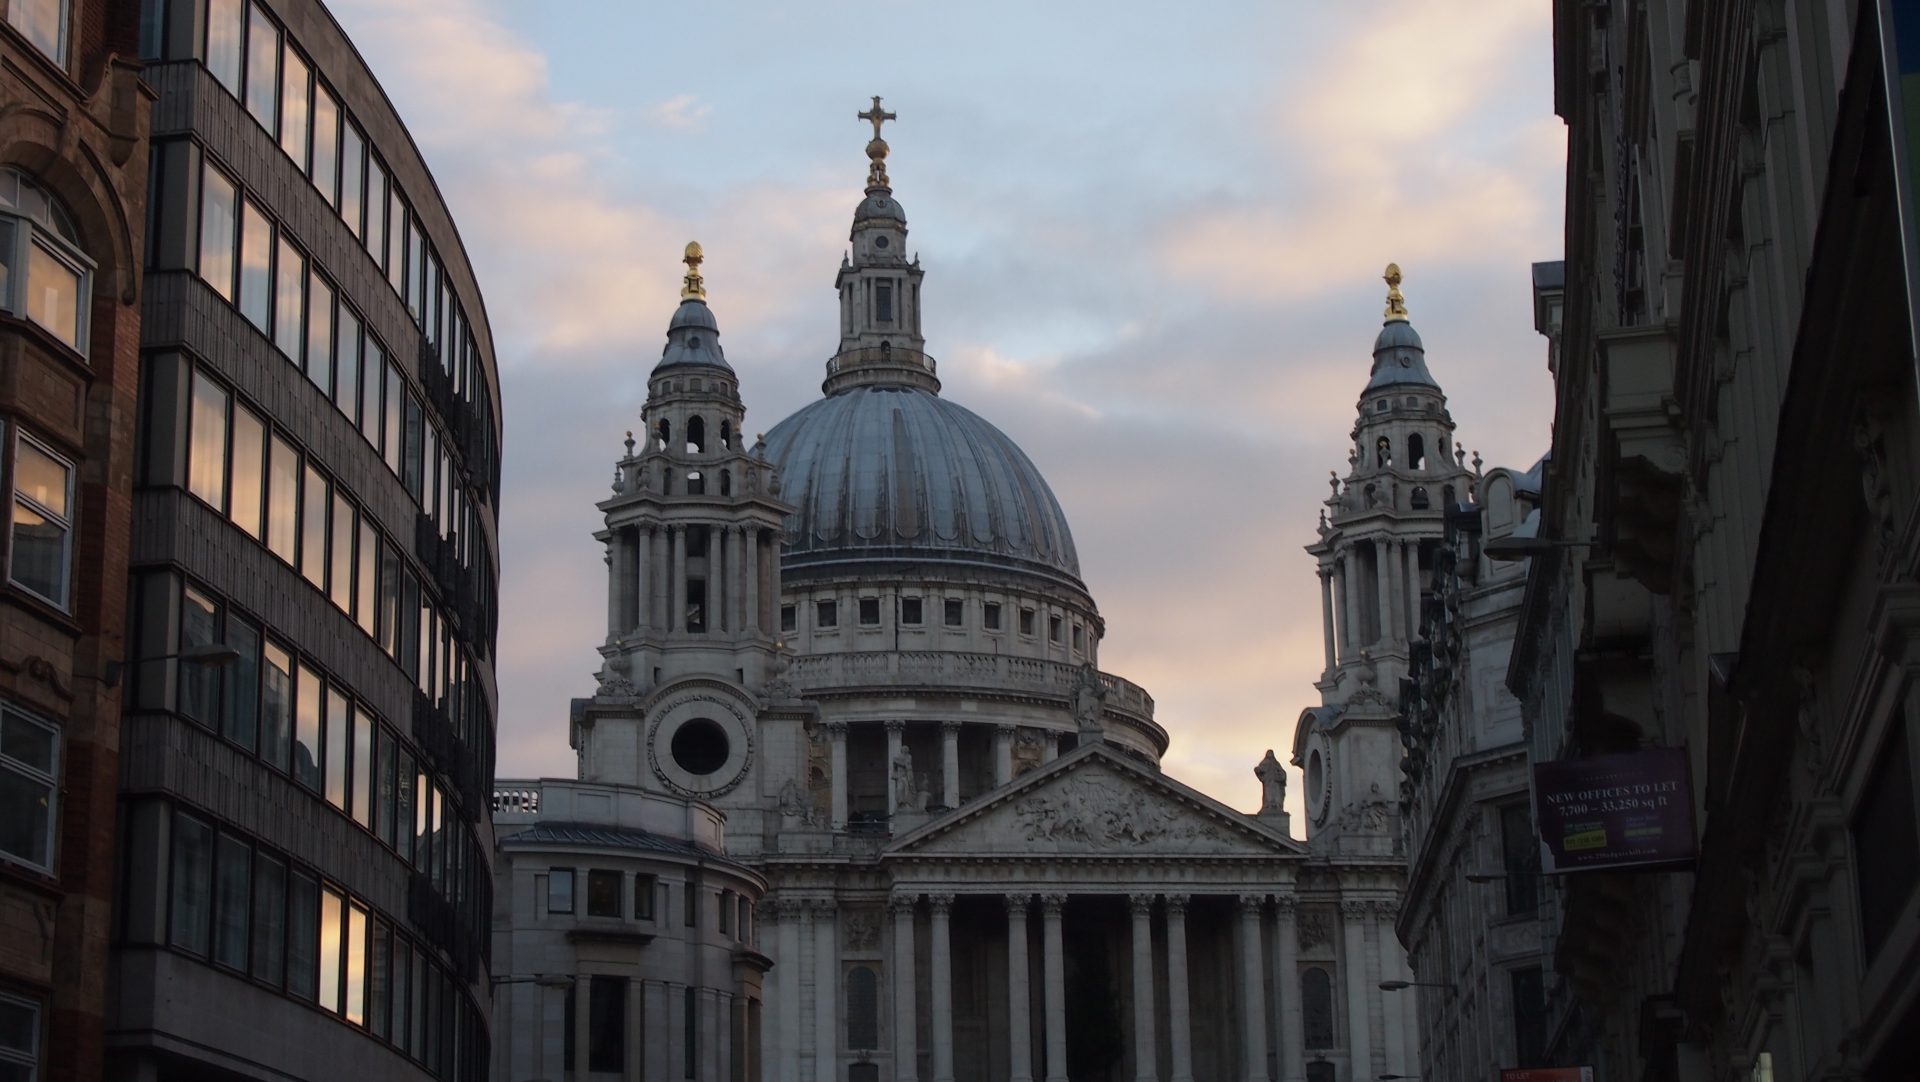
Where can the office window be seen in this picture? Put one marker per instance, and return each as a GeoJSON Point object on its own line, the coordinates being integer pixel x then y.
{"type": "Point", "coordinates": [372, 371]}
{"type": "Point", "coordinates": [826, 614]}
{"type": "Point", "coordinates": [256, 266]}
{"type": "Point", "coordinates": [404, 812]}
{"type": "Point", "coordinates": [42, 529]}
{"type": "Point", "coordinates": [391, 444]}
{"type": "Point", "coordinates": [191, 883]}
{"type": "Point", "coordinates": [276, 705]}
{"type": "Point", "coordinates": [340, 583]}
{"type": "Point", "coordinates": [365, 609]}
{"type": "Point", "coordinates": [869, 612]}
{"type": "Point", "coordinates": [43, 22]}
{"type": "Point", "coordinates": [29, 787]}
{"type": "Point", "coordinates": [956, 612]}
{"type": "Point", "coordinates": [332, 917]}
{"type": "Point", "coordinates": [606, 1023]}
{"type": "Point", "coordinates": [19, 1038]}
{"type": "Point", "coordinates": [315, 500]}
{"type": "Point", "coordinates": [346, 372]}
{"type": "Point", "coordinates": [353, 178]}
{"type": "Point", "coordinates": [379, 988]}
{"type": "Point", "coordinates": [385, 790]}
{"type": "Point", "coordinates": [44, 276]}
{"type": "Point", "coordinates": [603, 893]}
{"type": "Point", "coordinates": [356, 965]}
{"type": "Point", "coordinates": [263, 67]}
{"type": "Point", "coordinates": [334, 741]}
{"type": "Point", "coordinates": [308, 693]}
{"type": "Point", "coordinates": [232, 885]}
{"type": "Point", "coordinates": [199, 683]}
{"type": "Point", "coordinates": [240, 699]}
{"type": "Point", "coordinates": [283, 499]}
{"type": "Point", "coordinates": [362, 768]}
{"type": "Point", "coordinates": [396, 261]}
{"type": "Point", "coordinates": [296, 89]}
{"type": "Point", "coordinates": [1521, 855]}
{"type": "Point", "coordinates": [269, 919]}
{"type": "Point", "coordinates": [207, 441]}
{"type": "Point", "coordinates": [910, 611]}
{"type": "Point", "coordinates": [246, 481]}
{"type": "Point", "coordinates": [289, 293]}
{"type": "Point", "coordinates": [326, 144]}
{"type": "Point", "coordinates": [560, 890]}
{"type": "Point", "coordinates": [303, 931]}
{"type": "Point", "coordinates": [320, 333]}
{"type": "Point", "coordinates": [644, 887]}
{"type": "Point", "coordinates": [226, 33]}
{"type": "Point", "coordinates": [219, 211]}
{"type": "Point", "coordinates": [376, 236]}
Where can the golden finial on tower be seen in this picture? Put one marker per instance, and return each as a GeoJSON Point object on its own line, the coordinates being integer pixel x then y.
{"type": "Point", "coordinates": [1396, 304]}
{"type": "Point", "coordinates": [695, 286]}
{"type": "Point", "coordinates": [877, 149]}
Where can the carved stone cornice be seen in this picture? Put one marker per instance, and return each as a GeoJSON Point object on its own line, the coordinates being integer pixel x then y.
{"type": "Point", "coordinates": [1140, 904]}
{"type": "Point", "coordinates": [1177, 905]}
{"type": "Point", "coordinates": [903, 904]}
{"type": "Point", "coordinates": [941, 904]}
{"type": "Point", "coordinates": [1251, 903]}
{"type": "Point", "coordinates": [1018, 903]}
{"type": "Point", "coordinates": [1052, 904]}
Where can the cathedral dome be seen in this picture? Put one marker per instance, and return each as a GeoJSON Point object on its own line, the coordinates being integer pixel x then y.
{"type": "Point", "coordinates": [894, 472]}
{"type": "Point", "coordinates": [879, 205]}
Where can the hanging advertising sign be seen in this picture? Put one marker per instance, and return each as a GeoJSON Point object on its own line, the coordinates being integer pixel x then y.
{"type": "Point", "coordinates": [1614, 811]}
{"type": "Point", "coordinates": [1547, 1074]}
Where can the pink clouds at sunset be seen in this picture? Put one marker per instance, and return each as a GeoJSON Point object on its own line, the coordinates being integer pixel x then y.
{"type": "Point", "coordinates": [1152, 250]}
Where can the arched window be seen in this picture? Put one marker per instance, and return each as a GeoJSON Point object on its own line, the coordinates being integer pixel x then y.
{"type": "Point", "coordinates": [666, 479]}
{"type": "Point", "coordinates": [1373, 496]}
{"type": "Point", "coordinates": [726, 436]}
{"type": "Point", "coordinates": [1383, 452]}
{"type": "Point", "coordinates": [44, 276]}
{"type": "Point", "coordinates": [863, 1008]}
{"type": "Point", "coordinates": [1417, 499]}
{"type": "Point", "coordinates": [665, 434]}
{"type": "Point", "coordinates": [1316, 1008]}
{"type": "Point", "coordinates": [696, 484]}
{"type": "Point", "coordinates": [1416, 452]}
{"type": "Point", "coordinates": [726, 482]}
{"type": "Point", "coordinates": [1446, 495]}
{"type": "Point", "coordinates": [696, 435]}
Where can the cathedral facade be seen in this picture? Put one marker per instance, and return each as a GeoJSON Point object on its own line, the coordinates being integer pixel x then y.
{"type": "Point", "coordinates": [856, 801]}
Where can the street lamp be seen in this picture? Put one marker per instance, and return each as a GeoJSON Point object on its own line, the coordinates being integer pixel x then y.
{"type": "Point", "coordinates": [1395, 986]}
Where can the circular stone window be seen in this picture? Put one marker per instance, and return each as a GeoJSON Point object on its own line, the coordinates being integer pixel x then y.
{"type": "Point", "coordinates": [879, 242]}
{"type": "Point", "coordinates": [1315, 775]}
{"type": "Point", "coordinates": [700, 747]}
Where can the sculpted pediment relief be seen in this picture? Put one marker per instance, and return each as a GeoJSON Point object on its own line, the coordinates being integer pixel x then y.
{"type": "Point", "coordinates": [1098, 808]}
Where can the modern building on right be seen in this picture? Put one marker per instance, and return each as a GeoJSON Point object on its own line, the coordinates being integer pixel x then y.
{"type": "Point", "coordinates": [1723, 572]}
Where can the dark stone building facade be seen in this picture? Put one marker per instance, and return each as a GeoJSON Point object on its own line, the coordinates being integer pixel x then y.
{"type": "Point", "coordinates": [73, 181]}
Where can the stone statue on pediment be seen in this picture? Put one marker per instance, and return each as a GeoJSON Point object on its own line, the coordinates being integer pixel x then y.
{"type": "Point", "coordinates": [1273, 783]}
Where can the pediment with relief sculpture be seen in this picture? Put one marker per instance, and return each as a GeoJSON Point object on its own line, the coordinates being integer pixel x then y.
{"type": "Point", "coordinates": [1095, 802]}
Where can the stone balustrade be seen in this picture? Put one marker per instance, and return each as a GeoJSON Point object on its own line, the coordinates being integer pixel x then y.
{"type": "Point", "coordinates": [956, 669]}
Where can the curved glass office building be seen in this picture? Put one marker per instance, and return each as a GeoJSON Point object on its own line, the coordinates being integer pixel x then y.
{"type": "Point", "coordinates": [308, 737]}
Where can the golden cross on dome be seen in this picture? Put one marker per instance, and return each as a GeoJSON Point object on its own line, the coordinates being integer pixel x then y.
{"type": "Point", "coordinates": [1396, 304]}
{"type": "Point", "coordinates": [694, 286]}
{"type": "Point", "coordinates": [877, 115]}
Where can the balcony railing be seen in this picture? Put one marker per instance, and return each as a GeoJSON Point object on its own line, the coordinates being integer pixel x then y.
{"type": "Point", "coordinates": [984, 672]}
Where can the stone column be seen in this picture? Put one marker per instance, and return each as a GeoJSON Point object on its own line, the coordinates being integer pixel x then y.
{"type": "Point", "coordinates": [826, 992]}
{"type": "Point", "coordinates": [837, 733]}
{"type": "Point", "coordinates": [1286, 989]}
{"type": "Point", "coordinates": [1002, 754]}
{"type": "Point", "coordinates": [1145, 1067]}
{"type": "Point", "coordinates": [1392, 1016]}
{"type": "Point", "coordinates": [1179, 1013]}
{"type": "Point", "coordinates": [1019, 1011]}
{"type": "Point", "coordinates": [644, 587]}
{"type": "Point", "coordinates": [906, 1054]}
{"type": "Point", "coordinates": [1353, 917]}
{"type": "Point", "coordinates": [941, 1007]}
{"type": "Point", "coordinates": [793, 926]}
{"type": "Point", "coordinates": [1253, 1000]}
{"type": "Point", "coordinates": [1383, 583]}
{"type": "Point", "coordinates": [950, 763]}
{"type": "Point", "coordinates": [1410, 576]}
{"type": "Point", "coordinates": [751, 579]}
{"type": "Point", "coordinates": [677, 615]}
{"type": "Point", "coordinates": [1053, 962]}
{"type": "Point", "coordinates": [1350, 582]}
{"type": "Point", "coordinates": [636, 1022]}
{"type": "Point", "coordinates": [582, 1020]}
{"type": "Point", "coordinates": [716, 578]}
{"type": "Point", "coordinates": [1326, 615]}
{"type": "Point", "coordinates": [616, 581]}
{"type": "Point", "coordinates": [1396, 570]}
{"type": "Point", "coordinates": [895, 730]}
{"type": "Point", "coordinates": [725, 606]}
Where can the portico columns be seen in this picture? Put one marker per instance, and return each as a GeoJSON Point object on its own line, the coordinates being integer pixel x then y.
{"type": "Point", "coordinates": [837, 734]}
{"type": "Point", "coordinates": [1179, 1013]}
{"type": "Point", "coordinates": [714, 615]}
{"type": "Point", "coordinates": [677, 616]}
{"type": "Point", "coordinates": [1392, 1013]}
{"type": "Point", "coordinates": [1353, 918]}
{"type": "Point", "coordinates": [1326, 614]}
{"type": "Point", "coordinates": [1286, 982]}
{"type": "Point", "coordinates": [826, 991]}
{"type": "Point", "coordinates": [950, 763]}
{"type": "Point", "coordinates": [644, 585]}
{"type": "Point", "coordinates": [1054, 963]}
{"type": "Point", "coordinates": [1350, 579]}
{"type": "Point", "coordinates": [750, 577]}
{"type": "Point", "coordinates": [793, 920]}
{"type": "Point", "coordinates": [615, 578]}
{"type": "Point", "coordinates": [1145, 1069]}
{"type": "Point", "coordinates": [895, 729]}
{"type": "Point", "coordinates": [942, 1006]}
{"type": "Point", "coordinates": [1383, 582]}
{"type": "Point", "coordinates": [1019, 1011]}
{"type": "Point", "coordinates": [906, 1053]}
{"type": "Point", "coordinates": [1253, 1000]}
{"type": "Point", "coordinates": [1002, 754]}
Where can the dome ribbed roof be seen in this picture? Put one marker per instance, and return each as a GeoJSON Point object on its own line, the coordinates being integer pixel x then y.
{"type": "Point", "coordinates": [1399, 357]}
{"type": "Point", "coordinates": [895, 472]}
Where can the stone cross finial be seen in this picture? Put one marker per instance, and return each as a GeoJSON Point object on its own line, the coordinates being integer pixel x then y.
{"type": "Point", "coordinates": [877, 149]}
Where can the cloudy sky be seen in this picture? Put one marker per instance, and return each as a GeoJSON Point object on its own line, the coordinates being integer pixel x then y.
{"type": "Point", "coordinates": [1153, 237]}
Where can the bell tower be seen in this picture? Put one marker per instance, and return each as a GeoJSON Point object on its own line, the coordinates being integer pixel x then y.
{"type": "Point", "coordinates": [692, 534]}
{"type": "Point", "coordinates": [880, 340]}
{"type": "Point", "coordinates": [1377, 536]}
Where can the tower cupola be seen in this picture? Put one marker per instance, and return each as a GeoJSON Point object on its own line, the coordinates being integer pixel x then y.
{"type": "Point", "coordinates": [880, 340]}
